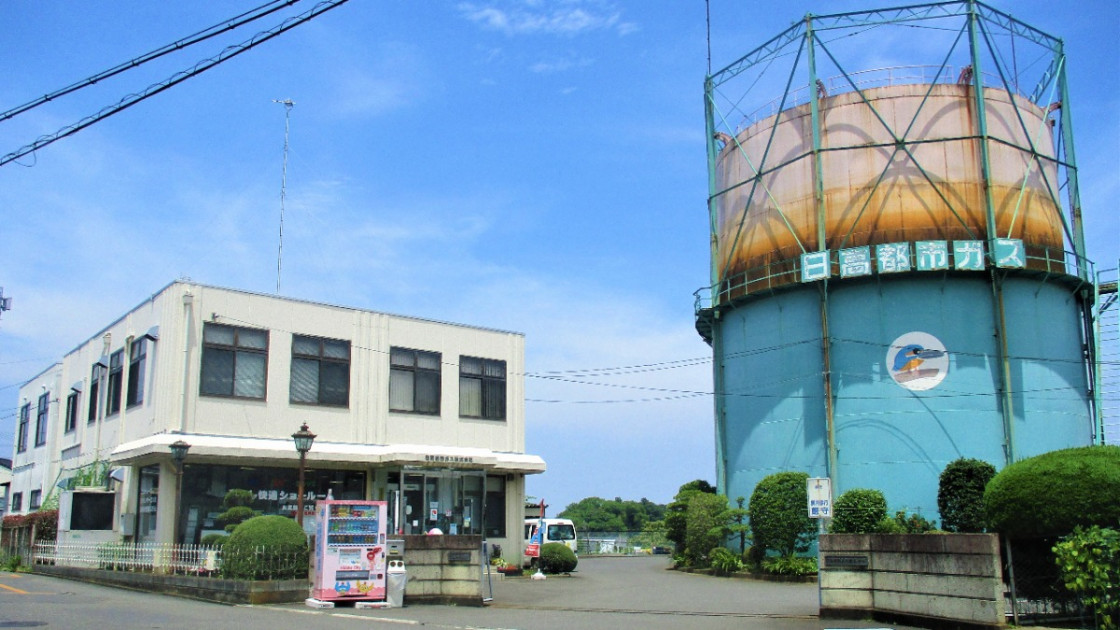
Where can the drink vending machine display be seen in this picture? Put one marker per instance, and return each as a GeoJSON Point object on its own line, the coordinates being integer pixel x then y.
{"type": "Point", "coordinates": [349, 560]}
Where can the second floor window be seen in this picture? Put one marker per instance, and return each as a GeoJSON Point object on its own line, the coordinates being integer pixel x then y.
{"type": "Point", "coordinates": [95, 377]}
{"type": "Point", "coordinates": [414, 380]}
{"type": "Point", "coordinates": [34, 500]}
{"type": "Point", "coordinates": [41, 419]}
{"type": "Point", "coordinates": [113, 385]}
{"type": "Point", "coordinates": [482, 388]}
{"type": "Point", "coordinates": [137, 358]}
{"type": "Point", "coordinates": [72, 402]}
{"type": "Point", "coordinates": [17, 501]}
{"type": "Point", "coordinates": [320, 371]}
{"type": "Point", "coordinates": [234, 361]}
{"type": "Point", "coordinates": [24, 421]}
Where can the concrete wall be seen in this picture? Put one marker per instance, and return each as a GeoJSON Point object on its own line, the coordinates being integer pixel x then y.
{"type": "Point", "coordinates": [951, 580]}
{"type": "Point", "coordinates": [443, 570]}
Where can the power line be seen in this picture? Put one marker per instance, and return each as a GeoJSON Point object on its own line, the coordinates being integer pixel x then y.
{"type": "Point", "coordinates": [128, 101]}
{"type": "Point", "coordinates": [190, 40]}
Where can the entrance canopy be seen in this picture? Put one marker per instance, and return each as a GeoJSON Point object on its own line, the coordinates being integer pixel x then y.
{"type": "Point", "coordinates": [231, 449]}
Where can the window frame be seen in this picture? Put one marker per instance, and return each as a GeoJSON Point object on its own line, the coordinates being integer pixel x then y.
{"type": "Point", "coordinates": [137, 364]}
{"type": "Point", "coordinates": [96, 375]}
{"type": "Point", "coordinates": [113, 384]}
{"type": "Point", "coordinates": [486, 385]}
{"type": "Point", "coordinates": [73, 405]}
{"type": "Point", "coordinates": [416, 371]}
{"type": "Point", "coordinates": [24, 426]}
{"type": "Point", "coordinates": [237, 349]}
{"type": "Point", "coordinates": [17, 502]}
{"type": "Point", "coordinates": [42, 415]}
{"type": "Point", "coordinates": [34, 500]}
{"type": "Point", "coordinates": [322, 359]}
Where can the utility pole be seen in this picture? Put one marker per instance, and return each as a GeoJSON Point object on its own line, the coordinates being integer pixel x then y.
{"type": "Point", "coordinates": [288, 104]}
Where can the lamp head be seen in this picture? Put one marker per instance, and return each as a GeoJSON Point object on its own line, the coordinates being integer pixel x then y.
{"type": "Point", "coordinates": [303, 439]}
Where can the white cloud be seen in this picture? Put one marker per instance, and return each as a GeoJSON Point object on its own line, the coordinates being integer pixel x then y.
{"type": "Point", "coordinates": [553, 18]}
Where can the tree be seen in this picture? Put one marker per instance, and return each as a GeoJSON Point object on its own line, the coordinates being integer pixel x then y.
{"type": "Point", "coordinates": [960, 494]}
{"type": "Point", "coordinates": [600, 515]}
{"type": "Point", "coordinates": [779, 518]}
{"type": "Point", "coordinates": [739, 523]}
{"type": "Point", "coordinates": [706, 526]}
{"type": "Point", "coordinates": [676, 514]}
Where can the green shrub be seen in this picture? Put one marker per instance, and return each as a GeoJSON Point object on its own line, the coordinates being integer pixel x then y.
{"type": "Point", "coordinates": [1053, 493]}
{"type": "Point", "coordinates": [214, 540]}
{"type": "Point", "coordinates": [724, 561]}
{"type": "Point", "coordinates": [706, 526]}
{"type": "Point", "coordinates": [790, 565]}
{"type": "Point", "coordinates": [779, 520]}
{"type": "Point", "coordinates": [904, 523]}
{"type": "Point", "coordinates": [858, 511]}
{"type": "Point", "coordinates": [237, 515]}
{"type": "Point", "coordinates": [960, 495]}
{"type": "Point", "coordinates": [266, 548]}
{"type": "Point", "coordinates": [557, 558]}
{"type": "Point", "coordinates": [1089, 562]}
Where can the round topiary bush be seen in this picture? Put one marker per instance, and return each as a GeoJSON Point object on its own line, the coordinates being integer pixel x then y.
{"type": "Point", "coordinates": [557, 558]}
{"type": "Point", "coordinates": [858, 511]}
{"type": "Point", "coordinates": [1052, 493]}
{"type": "Point", "coordinates": [266, 548]}
{"type": "Point", "coordinates": [960, 495]}
{"type": "Point", "coordinates": [779, 519]}
{"type": "Point", "coordinates": [214, 540]}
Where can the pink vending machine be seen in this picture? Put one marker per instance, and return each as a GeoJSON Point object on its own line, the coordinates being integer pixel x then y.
{"type": "Point", "coordinates": [349, 559]}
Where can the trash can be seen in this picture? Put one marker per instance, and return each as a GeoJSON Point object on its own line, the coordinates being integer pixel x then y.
{"type": "Point", "coordinates": [395, 579]}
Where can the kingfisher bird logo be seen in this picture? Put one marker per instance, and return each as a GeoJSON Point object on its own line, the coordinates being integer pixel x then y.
{"type": "Point", "coordinates": [917, 361]}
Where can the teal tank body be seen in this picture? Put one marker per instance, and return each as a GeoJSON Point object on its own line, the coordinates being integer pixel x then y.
{"type": "Point", "coordinates": [893, 434]}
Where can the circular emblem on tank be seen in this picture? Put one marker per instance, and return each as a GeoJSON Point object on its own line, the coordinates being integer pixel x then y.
{"type": "Point", "coordinates": [917, 361]}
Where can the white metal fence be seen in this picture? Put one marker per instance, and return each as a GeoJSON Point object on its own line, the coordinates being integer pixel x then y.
{"type": "Point", "coordinates": [144, 557]}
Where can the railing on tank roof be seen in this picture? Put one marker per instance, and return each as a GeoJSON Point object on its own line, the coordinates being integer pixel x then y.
{"type": "Point", "coordinates": [865, 80]}
{"type": "Point", "coordinates": [781, 273]}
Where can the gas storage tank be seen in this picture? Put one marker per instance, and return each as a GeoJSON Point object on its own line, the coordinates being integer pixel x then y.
{"type": "Point", "coordinates": [897, 275]}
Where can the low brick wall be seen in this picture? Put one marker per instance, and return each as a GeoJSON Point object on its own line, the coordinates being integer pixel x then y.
{"type": "Point", "coordinates": [931, 580]}
{"type": "Point", "coordinates": [443, 570]}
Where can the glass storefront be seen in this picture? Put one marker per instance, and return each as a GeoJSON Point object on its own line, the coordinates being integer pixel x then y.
{"type": "Point", "coordinates": [454, 502]}
{"type": "Point", "coordinates": [273, 491]}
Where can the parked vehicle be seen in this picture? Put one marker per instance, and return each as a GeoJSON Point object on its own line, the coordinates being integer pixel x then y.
{"type": "Point", "coordinates": [559, 530]}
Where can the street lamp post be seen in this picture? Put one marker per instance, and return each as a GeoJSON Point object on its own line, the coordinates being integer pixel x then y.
{"type": "Point", "coordinates": [179, 450]}
{"type": "Point", "coordinates": [303, 439]}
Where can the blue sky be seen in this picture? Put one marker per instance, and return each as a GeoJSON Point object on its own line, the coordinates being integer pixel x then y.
{"type": "Point", "coordinates": [529, 165]}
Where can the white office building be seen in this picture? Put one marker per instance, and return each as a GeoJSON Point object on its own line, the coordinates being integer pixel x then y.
{"type": "Point", "coordinates": [426, 415]}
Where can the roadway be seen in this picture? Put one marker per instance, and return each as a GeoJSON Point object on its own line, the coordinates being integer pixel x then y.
{"type": "Point", "coordinates": [603, 594]}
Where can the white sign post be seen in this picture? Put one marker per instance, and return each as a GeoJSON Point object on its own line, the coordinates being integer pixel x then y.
{"type": "Point", "coordinates": [820, 497]}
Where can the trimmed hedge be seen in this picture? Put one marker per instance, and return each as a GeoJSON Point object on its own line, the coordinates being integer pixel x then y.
{"type": "Point", "coordinates": [858, 511]}
{"type": "Point", "coordinates": [266, 548]}
{"type": "Point", "coordinates": [1053, 493]}
{"type": "Point", "coordinates": [557, 558]}
{"type": "Point", "coordinates": [960, 495]}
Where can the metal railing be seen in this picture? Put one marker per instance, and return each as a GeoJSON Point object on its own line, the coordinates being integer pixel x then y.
{"type": "Point", "coordinates": [864, 80]}
{"type": "Point", "coordinates": [143, 557]}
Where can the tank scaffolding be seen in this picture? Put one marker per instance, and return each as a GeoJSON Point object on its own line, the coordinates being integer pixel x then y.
{"type": "Point", "coordinates": [772, 120]}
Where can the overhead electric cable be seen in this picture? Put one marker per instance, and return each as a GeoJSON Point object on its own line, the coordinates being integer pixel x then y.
{"type": "Point", "coordinates": [199, 68]}
{"type": "Point", "coordinates": [201, 36]}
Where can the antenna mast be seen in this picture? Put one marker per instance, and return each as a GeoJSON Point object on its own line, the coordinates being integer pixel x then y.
{"type": "Point", "coordinates": [287, 103]}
